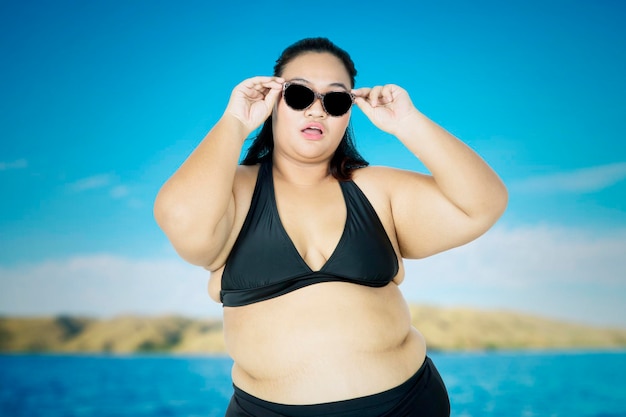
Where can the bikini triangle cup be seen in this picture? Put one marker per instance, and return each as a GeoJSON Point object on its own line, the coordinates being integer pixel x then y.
{"type": "Point", "coordinates": [264, 262]}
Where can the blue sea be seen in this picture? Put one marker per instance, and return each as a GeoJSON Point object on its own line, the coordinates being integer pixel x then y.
{"type": "Point", "coordinates": [503, 384]}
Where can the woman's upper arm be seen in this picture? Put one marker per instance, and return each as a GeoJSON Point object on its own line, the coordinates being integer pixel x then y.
{"type": "Point", "coordinates": [190, 242]}
{"type": "Point", "coordinates": [426, 221]}
{"type": "Point", "coordinates": [211, 249]}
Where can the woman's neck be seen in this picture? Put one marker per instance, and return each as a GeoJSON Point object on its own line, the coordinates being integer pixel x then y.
{"type": "Point", "coordinates": [299, 172]}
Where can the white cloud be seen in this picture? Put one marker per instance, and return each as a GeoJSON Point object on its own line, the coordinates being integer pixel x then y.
{"type": "Point", "coordinates": [119, 191]}
{"type": "Point", "coordinates": [116, 192]}
{"type": "Point", "coordinates": [136, 203]}
{"type": "Point", "coordinates": [583, 180]}
{"type": "Point", "coordinates": [558, 272]}
{"type": "Point", "coordinates": [89, 183]}
{"type": "Point", "coordinates": [106, 285]}
{"type": "Point", "coordinates": [17, 164]}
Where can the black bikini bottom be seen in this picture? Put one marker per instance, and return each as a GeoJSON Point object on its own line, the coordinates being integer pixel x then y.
{"type": "Point", "coordinates": [424, 394]}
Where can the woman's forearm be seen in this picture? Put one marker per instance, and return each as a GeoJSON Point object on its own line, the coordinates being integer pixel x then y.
{"type": "Point", "coordinates": [461, 175]}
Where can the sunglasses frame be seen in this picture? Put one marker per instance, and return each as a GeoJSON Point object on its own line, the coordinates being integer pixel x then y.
{"type": "Point", "coordinates": [317, 96]}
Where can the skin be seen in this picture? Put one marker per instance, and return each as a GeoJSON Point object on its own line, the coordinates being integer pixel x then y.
{"type": "Point", "coordinates": [328, 341]}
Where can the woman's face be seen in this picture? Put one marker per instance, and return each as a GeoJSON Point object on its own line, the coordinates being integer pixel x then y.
{"type": "Point", "coordinates": [311, 135]}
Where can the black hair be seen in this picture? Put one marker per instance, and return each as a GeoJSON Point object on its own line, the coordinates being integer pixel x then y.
{"type": "Point", "coordinates": [346, 158]}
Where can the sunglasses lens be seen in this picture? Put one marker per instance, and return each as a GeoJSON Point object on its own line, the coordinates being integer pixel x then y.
{"type": "Point", "coordinates": [298, 97]}
{"type": "Point", "coordinates": [337, 103]}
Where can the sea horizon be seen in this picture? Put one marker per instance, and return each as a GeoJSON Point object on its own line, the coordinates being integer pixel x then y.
{"type": "Point", "coordinates": [524, 383]}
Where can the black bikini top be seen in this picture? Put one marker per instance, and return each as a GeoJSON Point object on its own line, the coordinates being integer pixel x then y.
{"type": "Point", "coordinates": [264, 263]}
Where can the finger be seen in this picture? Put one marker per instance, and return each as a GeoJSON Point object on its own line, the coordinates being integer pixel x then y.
{"type": "Point", "coordinates": [275, 84]}
{"type": "Point", "coordinates": [262, 80]}
{"type": "Point", "coordinates": [374, 95]}
{"type": "Point", "coordinates": [260, 83]}
{"type": "Point", "coordinates": [364, 105]}
{"type": "Point", "coordinates": [257, 88]}
{"type": "Point", "coordinates": [361, 92]}
{"type": "Point", "coordinates": [271, 97]}
{"type": "Point", "coordinates": [386, 95]}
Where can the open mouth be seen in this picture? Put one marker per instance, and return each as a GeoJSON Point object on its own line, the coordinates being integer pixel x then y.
{"type": "Point", "coordinates": [312, 131]}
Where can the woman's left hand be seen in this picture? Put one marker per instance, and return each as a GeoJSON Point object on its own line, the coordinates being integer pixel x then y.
{"type": "Point", "coordinates": [386, 106]}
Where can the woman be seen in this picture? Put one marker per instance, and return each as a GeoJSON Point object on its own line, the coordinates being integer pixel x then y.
{"type": "Point", "coordinates": [305, 241]}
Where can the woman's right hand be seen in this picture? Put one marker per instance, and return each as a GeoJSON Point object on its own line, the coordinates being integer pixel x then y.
{"type": "Point", "coordinates": [252, 101]}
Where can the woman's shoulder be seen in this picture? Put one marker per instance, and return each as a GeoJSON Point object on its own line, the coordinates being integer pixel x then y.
{"type": "Point", "coordinates": [246, 175]}
{"type": "Point", "coordinates": [374, 182]}
{"type": "Point", "coordinates": [243, 185]}
{"type": "Point", "coordinates": [385, 176]}
{"type": "Point", "coordinates": [382, 183]}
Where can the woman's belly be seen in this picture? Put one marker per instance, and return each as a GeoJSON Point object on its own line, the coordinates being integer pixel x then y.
{"type": "Point", "coordinates": [325, 342]}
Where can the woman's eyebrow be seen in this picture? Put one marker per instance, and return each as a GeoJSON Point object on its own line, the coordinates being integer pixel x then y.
{"type": "Point", "coordinates": [302, 80]}
{"type": "Point", "coordinates": [342, 85]}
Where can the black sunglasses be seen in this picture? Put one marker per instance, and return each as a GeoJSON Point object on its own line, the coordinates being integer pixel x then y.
{"type": "Point", "coordinates": [300, 97]}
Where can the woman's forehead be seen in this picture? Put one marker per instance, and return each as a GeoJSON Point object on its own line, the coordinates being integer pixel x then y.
{"type": "Point", "coordinates": [318, 69]}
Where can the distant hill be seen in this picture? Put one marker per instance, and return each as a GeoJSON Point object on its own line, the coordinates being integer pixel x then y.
{"type": "Point", "coordinates": [444, 329]}
{"type": "Point", "coordinates": [471, 329]}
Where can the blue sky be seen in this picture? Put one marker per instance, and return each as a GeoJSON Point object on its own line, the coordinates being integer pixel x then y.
{"type": "Point", "coordinates": [101, 101]}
